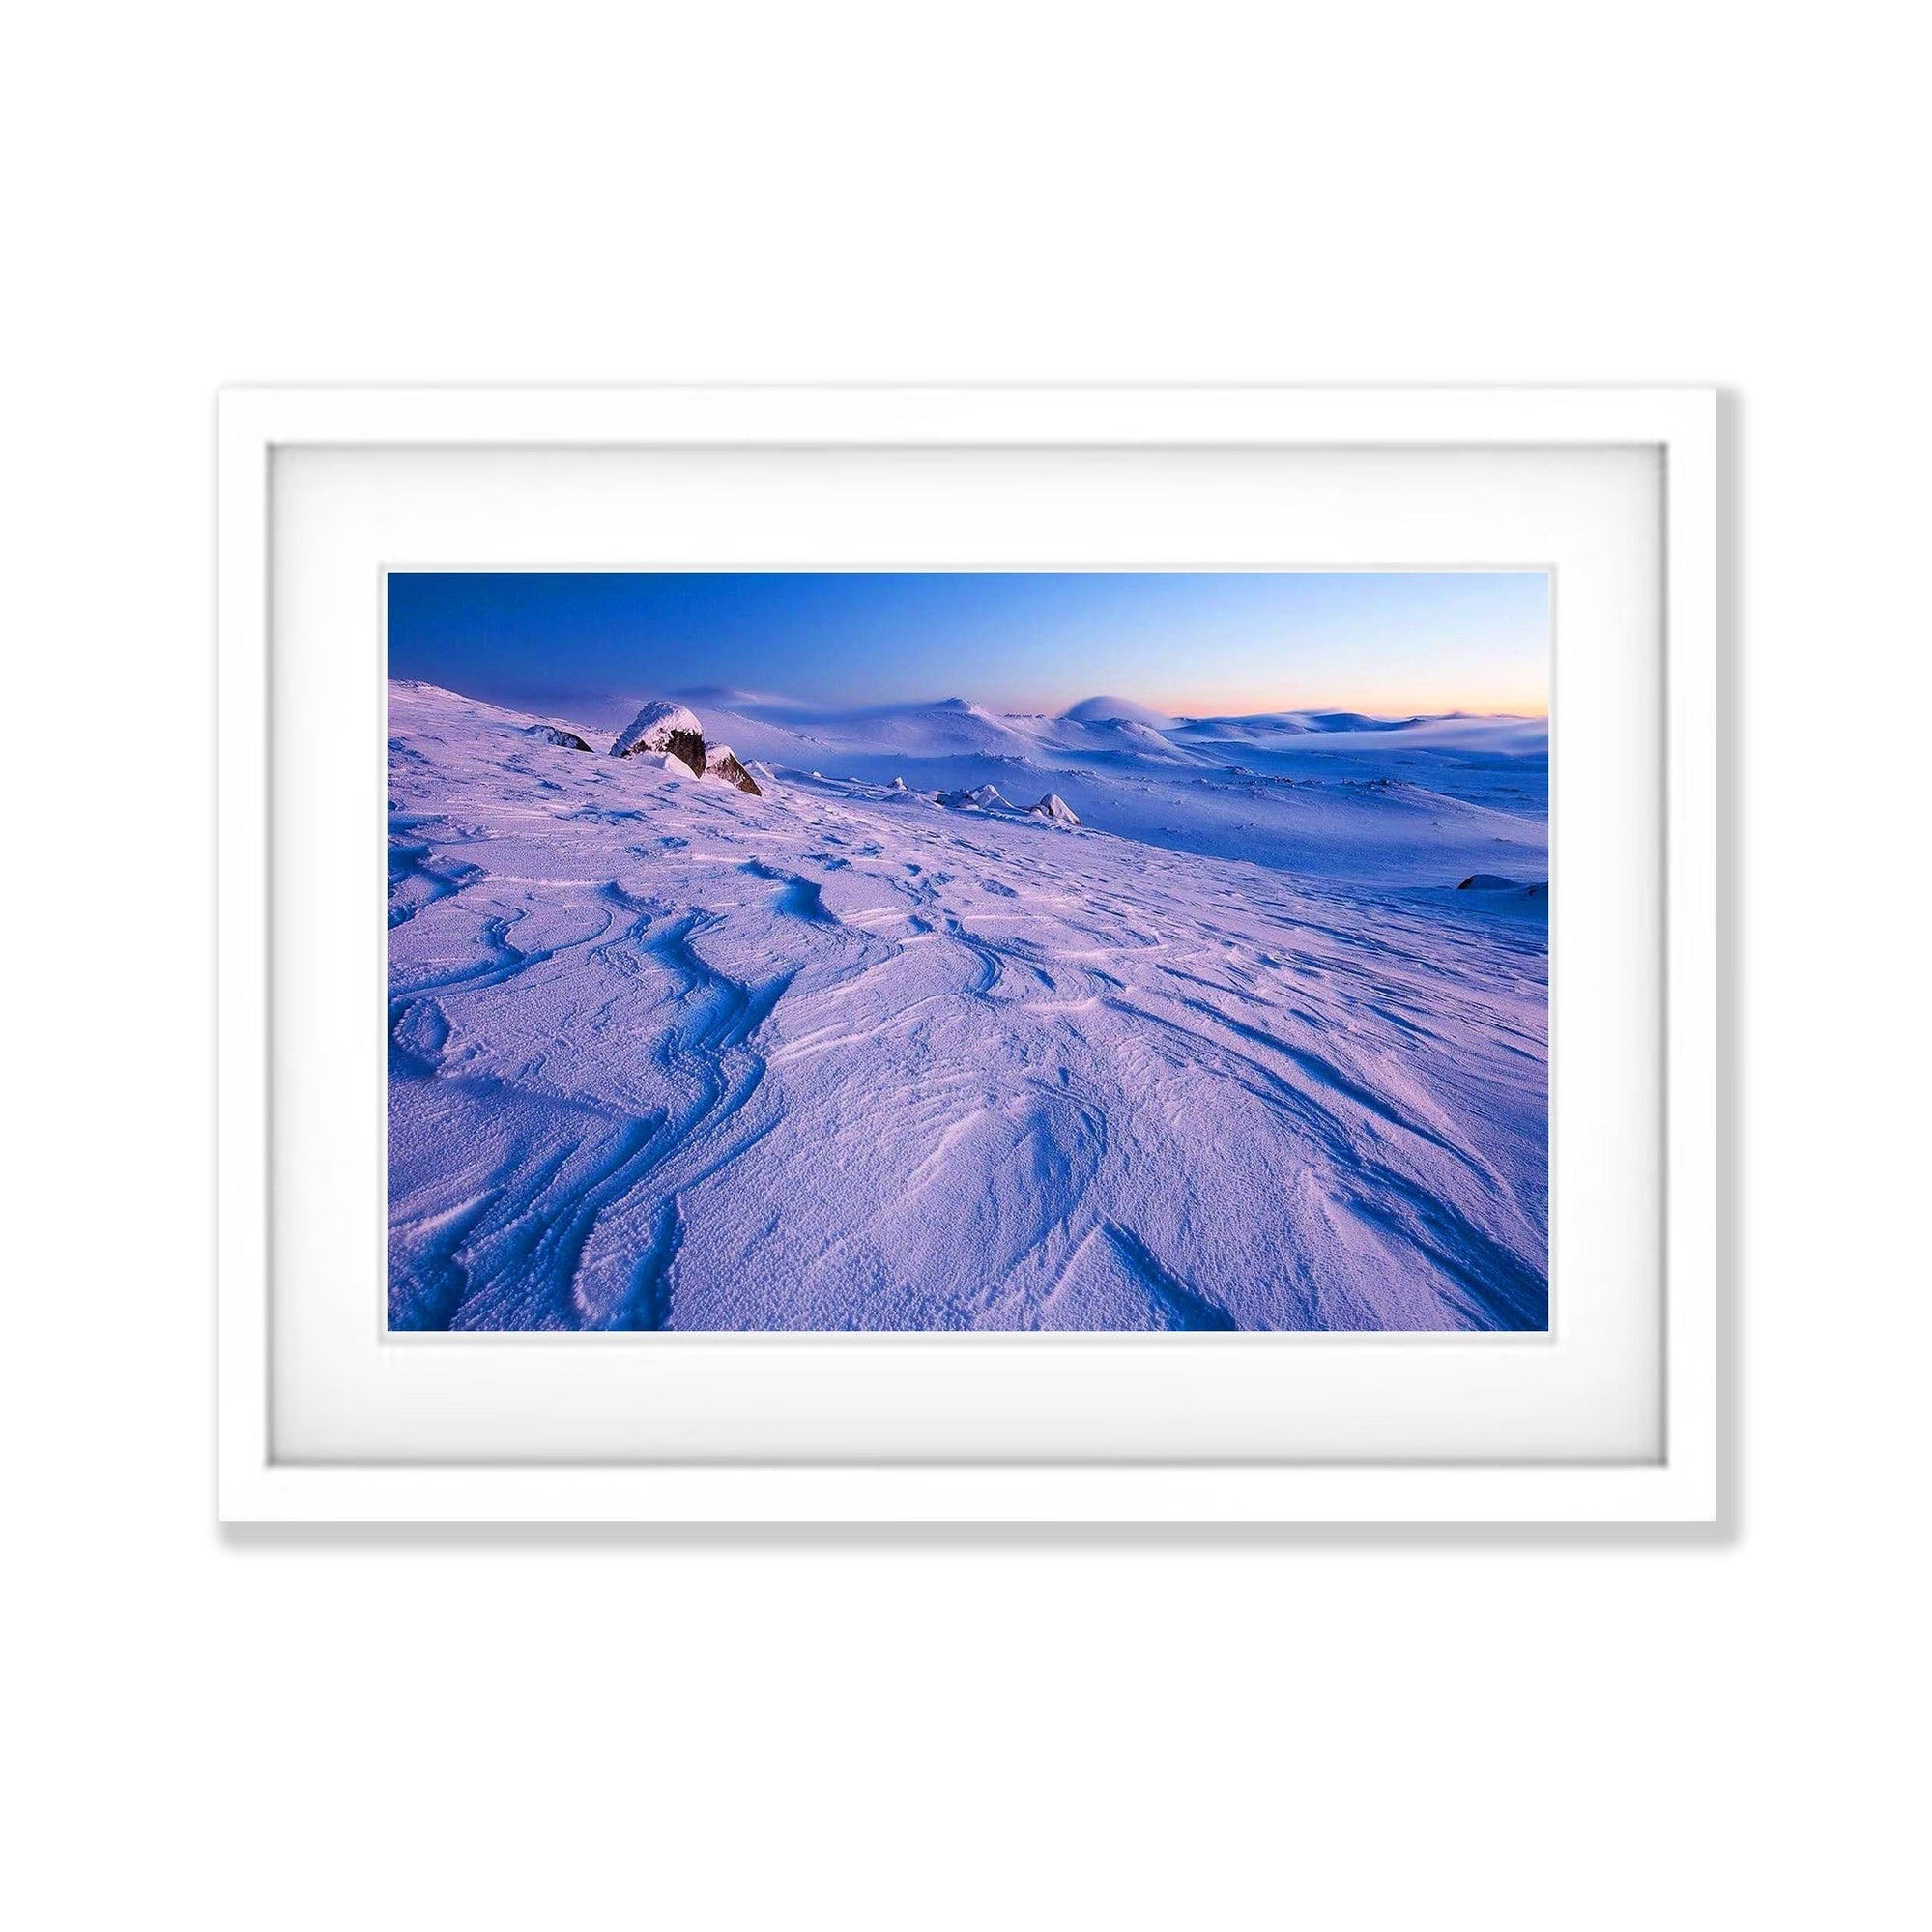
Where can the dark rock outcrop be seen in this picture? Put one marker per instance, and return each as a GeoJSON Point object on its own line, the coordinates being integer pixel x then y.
{"type": "Point", "coordinates": [719, 762]}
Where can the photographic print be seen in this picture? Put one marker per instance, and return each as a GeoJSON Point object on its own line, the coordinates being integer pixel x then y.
{"type": "Point", "coordinates": [949, 951]}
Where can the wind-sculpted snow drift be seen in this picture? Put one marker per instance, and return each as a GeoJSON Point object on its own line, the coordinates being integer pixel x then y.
{"type": "Point", "coordinates": [1219, 1044]}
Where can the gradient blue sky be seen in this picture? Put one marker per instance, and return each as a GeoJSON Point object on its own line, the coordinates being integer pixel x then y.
{"type": "Point", "coordinates": [1192, 643]}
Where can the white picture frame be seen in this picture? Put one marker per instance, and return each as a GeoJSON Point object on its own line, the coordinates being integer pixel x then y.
{"type": "Point", "coordinates": [1677, 1484]}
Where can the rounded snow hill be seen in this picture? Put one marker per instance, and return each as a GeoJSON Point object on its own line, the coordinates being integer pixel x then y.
{"type": "Point", "coordinates": [949, 725]}
{"type": "Point", "coordinates": [1135, 731]}
{"type": "Point", "coordinates": [1262, 725]}
{"type": "Point", "coordinates": [1106, 710]}
{"type": "Point", "coordinates": [1358, 721]}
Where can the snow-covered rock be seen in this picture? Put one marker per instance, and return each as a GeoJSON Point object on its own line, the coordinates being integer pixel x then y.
{"type": "Point", "coordinates": [555, 734]}
{"type": "Point", "coordinates": [720, 764]}
{"type": "Point", "coordinates": [662, 725]}
{"type": "Point", "coordinates": [984, 797]}
{"type": "Point", "coordinates": [1052, 806]}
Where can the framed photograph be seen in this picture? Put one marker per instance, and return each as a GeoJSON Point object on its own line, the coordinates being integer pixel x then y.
{"type": "Point", "coordinates": [967, 954]}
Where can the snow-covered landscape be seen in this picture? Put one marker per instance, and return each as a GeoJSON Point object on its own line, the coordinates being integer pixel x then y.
{"type": "Point", "coordinates": [938, 1015]}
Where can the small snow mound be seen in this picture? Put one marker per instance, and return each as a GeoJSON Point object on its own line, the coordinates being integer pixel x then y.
{"type": "Point", "coordinates": [662, 725]}
{"type": "Point", "coordinates": [1509, 896]}
{"type": "Point", "coordinates": [1052, 806]}
{"type": "Point", "coordinates": [555, 734]}
{"type": "Point", "coordinates": [897, 785]}
{"type": "Point", "coordinates": [660, 760]}
{"type": "Point", "coordinates": [985, 797]}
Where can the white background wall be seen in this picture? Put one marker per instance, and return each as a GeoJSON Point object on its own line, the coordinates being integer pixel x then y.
{"type": "Point", "coordinates": [465, 1729]}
